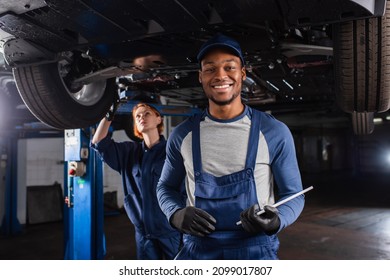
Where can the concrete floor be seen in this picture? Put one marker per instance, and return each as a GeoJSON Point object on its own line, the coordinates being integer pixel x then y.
{"type": "Point", "coordinates": [345, 218]}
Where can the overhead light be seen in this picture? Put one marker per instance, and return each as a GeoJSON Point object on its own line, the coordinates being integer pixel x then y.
{"type": "Point", "coordinates": [288, 84]}
{"type": "Point", "coordinates": [387, 118]}
{"type": "Point", "coordinates": [378, 120]}
{"type": "Point", "coordinates": [272, 85]}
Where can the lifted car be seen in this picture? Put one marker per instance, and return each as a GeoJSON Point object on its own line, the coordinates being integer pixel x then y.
{"type": "Point", "coordinates": [70, 58]}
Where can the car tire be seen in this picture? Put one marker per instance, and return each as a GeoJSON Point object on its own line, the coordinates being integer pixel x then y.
{"type": "Point", "coordinates": [362, 70]}
{"type": "Point", "coordinates": [13, 112]}
{"type": "Point", "coordinates": [5, 96]}
{"type": "Point", "coordinates": [362, 123]}
{"type": "Point", "coordinates": [46, 95]}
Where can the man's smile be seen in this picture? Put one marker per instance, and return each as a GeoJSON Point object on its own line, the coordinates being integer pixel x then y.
{"type": "Point", "coordinates": [221, 86]}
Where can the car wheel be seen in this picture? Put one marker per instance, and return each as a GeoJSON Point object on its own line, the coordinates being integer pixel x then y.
{"type": "Point", "coordinates": [362, 68]}
{"type": "Point", "coordinates": [46, 93]}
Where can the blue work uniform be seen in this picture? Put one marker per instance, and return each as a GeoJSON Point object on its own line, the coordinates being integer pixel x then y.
{"type": "Point", "coordinates": [226, 196]}
{"type": "Point", "coordinates": [140, 169]}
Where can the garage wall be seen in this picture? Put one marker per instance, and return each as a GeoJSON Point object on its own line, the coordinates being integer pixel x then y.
{"type": "Point", "coordinates": [338, 149]}
{"type": "Point", "coordinates": [44, 159]}
{"type": "Point", "coordinates": [322, 149]}
{"type": "Point", "coordinates": [40, 162]}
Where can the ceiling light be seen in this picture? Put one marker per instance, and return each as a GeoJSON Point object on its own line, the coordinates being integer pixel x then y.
{"type": "Point", "coordinates": [272, 85]}
{"type": "Point", "coordinates": [288, 84]}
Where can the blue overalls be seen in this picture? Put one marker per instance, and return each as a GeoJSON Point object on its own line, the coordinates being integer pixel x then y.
{"type": "Point", "coordinates": [140, 169]}
{"type": "Point", "coordinates": [225, 198]}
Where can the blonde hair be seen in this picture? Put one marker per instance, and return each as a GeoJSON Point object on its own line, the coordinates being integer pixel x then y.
{"type": "Point", "coordinates": [160, 127]}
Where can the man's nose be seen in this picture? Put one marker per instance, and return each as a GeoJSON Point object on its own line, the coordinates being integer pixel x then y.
{"type": "Point", "coordinates": [220, 73]}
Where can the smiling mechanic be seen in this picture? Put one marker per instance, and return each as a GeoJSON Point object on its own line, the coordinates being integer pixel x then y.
{"type": "Point", "coordinates": [236, 160]}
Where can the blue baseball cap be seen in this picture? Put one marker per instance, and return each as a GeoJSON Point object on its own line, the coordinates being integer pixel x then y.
{"type": "Point", "coordinates": [221, 41]}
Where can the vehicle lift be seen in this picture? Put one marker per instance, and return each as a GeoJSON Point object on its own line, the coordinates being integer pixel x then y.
{"type": "Point", "coordinates": [83, 187]}
{"type": "Point", "coordinates": [8, 149]}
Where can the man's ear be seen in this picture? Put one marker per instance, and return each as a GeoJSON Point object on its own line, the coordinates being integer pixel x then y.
{"type": "Point", "coordinates": [243, 72]}
{"type": "Point", "coordinates": [200, 76]}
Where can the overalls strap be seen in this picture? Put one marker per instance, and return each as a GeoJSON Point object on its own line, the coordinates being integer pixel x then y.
{"type": "Point", "coordinates": [196, 156]}
{"type": "Point", "coordinates": [253, 140]}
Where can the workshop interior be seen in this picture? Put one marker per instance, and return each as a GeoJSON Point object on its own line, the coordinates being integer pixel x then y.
{"type": "Point", "coordinates": [323, 69]}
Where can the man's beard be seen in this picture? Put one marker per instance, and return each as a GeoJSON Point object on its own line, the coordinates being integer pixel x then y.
{"type": "Point", "coordinates": [225, 102]}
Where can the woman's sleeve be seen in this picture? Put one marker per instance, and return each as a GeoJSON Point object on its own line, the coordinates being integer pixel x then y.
{"type": "Point", "coordinates": [112, 152]}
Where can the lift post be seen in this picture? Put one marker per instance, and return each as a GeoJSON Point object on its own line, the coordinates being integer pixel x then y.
{"type": "Point", "coordinates": [8, 152]}
{"type": "Point", "coordinates": [83, 191]}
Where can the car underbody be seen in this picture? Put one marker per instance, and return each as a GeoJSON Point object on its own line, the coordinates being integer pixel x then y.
{"type": "Point", "coordinates": [70, 59]}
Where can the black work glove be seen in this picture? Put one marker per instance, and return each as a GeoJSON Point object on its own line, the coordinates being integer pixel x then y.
{"type": "Point", "coordinates": [111, 112]}
{"type": "Point", "coordinates": [194, 221]}
{"type": "Point", "coordinates": [267, 222]}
